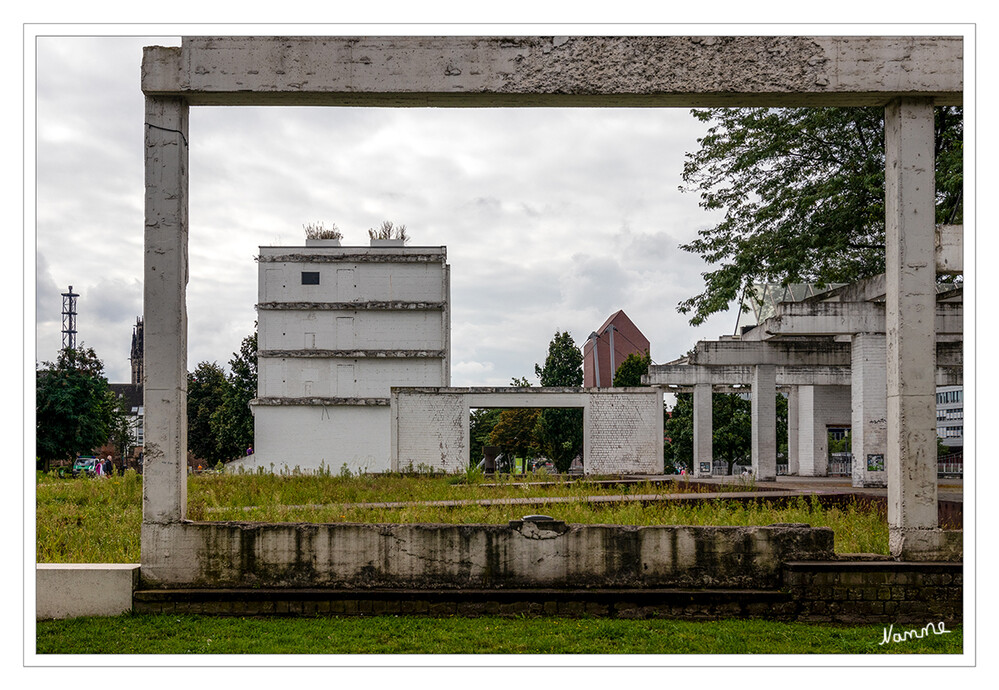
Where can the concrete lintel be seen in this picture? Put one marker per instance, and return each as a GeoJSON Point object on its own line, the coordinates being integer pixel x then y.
{"type": "Point", "coordinates": [545, 71]}
{"type": "Point", "coordinates": [319, 401]}
{"type": "Point", "coordinates": [395, 256]}
{"type": "Point", "coordinates": [353, 306]}
{"type": "Point", "coordinates": [352, 354]}
{"type": "Point", "coordinates": [842, 318]}
{"type": "Point", "coordinates": [686, 375]}
{"type": "Point", "coordinates": [783, 353]}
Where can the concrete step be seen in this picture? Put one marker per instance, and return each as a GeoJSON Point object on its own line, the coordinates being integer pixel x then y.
{"type": "Point", "coordinates": [615, 603]}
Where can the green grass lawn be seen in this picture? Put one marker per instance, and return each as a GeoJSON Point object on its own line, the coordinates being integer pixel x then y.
{"type": "Point", "coordinates": [176, 634]}
{"type": "Point", "coordinates": [99, 520]}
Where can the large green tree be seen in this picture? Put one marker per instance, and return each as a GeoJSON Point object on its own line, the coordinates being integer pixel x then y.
{"type": "Point", "coordinates": [802, 192]}
{"type": "Point", "coordinates": [75, 410]}
{"type": "Point", "coordinates": [232, 422]}
{"type": "Point", "coordinates": [206, 389]}
{"type": "Point", "coordinates": [560, 431]}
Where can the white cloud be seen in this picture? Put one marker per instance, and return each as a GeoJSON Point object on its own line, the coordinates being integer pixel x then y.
{"type": "Point", "coordinates": [553, 219]}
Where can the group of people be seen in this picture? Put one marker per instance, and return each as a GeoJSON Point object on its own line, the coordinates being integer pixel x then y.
{"type": "Point", "coordinates": [103, 468]}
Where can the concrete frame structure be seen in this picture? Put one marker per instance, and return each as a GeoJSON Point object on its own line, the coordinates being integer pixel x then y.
{"type": "Point", "coordinates": [337, 328]}
{"type": "Point", "coordinates": [906, 75]}
{"type": "Point", "coordinates": [622, 427]}
{"type": "Point", "coordinates": [829, 354]}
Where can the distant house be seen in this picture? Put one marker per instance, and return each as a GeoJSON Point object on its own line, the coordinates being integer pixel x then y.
{"type": "Point", "coordinates": [627, 340]}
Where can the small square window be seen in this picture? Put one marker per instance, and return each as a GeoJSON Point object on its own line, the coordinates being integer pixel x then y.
{"type": "Point", "coordinates": [310, 277]}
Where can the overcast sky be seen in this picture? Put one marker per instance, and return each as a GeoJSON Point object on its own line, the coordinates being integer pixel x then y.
{"type": "Point", "coordinates": [552, 218]}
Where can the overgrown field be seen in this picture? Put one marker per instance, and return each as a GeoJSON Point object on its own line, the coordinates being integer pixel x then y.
{"type": "Point", "coordinates": [98, 520]}
{"type": "Point", "coordinates": [176, 634]}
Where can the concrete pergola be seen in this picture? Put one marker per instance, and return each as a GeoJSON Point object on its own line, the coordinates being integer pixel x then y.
{"type": "Point", "coordinates": [908, 76]}
{"type": "Point", "coordinates": [805, 345]}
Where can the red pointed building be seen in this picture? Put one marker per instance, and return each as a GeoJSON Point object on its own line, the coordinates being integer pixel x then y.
{"type": "Point", "coordinates": [626, 338]}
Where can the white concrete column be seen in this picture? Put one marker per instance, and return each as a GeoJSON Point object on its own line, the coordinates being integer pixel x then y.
{"type": "Point", "coordinates": [793, 456]}
{"type": "Point", "coordinates": [764, 412]}
{"type": "Point", "coordinates": [164, 485]}
{"type": "Point", "coordinates": [868, 424]}
{"type": "Point", "coordinates": [910, 272]}
{"type": "Point", "coordinates": [703, 429]}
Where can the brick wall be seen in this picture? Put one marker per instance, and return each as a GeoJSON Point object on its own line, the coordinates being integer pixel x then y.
{"type": "Point", "coordinates": [431, 430]}
{"type": "Point", "coordinates": [626, 434]}
{"type": "Point", "coordinates": [876, 591]}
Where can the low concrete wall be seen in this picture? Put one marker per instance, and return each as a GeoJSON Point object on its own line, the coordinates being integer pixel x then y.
{"type": "Point", "coordinates": [522, 554]}
{"type": "Point", "coordinates": [68, 590]}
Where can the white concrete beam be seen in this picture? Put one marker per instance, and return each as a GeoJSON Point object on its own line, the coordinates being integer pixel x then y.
{"type": "Point", "coordinates": [556, 71]}
{"type": "Point", "coordinates": [847, 318]}
{"type": "Point", "coordinates": [911, 303]}
{"type": "Point", "coordinates": [164, 486]}
{"type": "Point", "coordinates": [782, 353]}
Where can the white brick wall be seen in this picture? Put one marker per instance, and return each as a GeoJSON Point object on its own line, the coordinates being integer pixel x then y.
{"type": "Point", "coordinates": [432, 431]}
{"type": "Point", "coordinates": [626, 434]}
{"type": "Point", "coordinates": [623, 429]}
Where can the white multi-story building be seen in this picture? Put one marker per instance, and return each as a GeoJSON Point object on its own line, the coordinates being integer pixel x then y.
{"type": "Point", "coordinates": [950, 416]}
{"type": "Point", "coordinates": [337, 328]}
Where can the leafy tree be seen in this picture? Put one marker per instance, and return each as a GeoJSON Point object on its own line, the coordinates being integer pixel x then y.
{"type": "Point", "coordinates": [515, 432]}
{"type": "Point", "coordinates": [74, 406]}
{"type": "Point", "coordinates": [232, 421]}
{"type": "Point", "coordinates": [206, 389]}
{"type": "Point", "coordinates": [481, 423]}
{"type": "Point", "coordinates": [632, 369]}
{"type": "Point", "coordinates": [560, 431]}
{"type": "Point", "coordinates": [731, 437]}
{"type": "Point", "coordinates": [678, 448]}
{"type": "Point", "coordinates": [802, 190]}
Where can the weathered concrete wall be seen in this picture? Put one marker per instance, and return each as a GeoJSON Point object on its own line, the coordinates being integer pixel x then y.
{"type": "Point", "coordinates": [308, 437]}
{"type": "Point", "coordinates": [68, 590]}
{"type": "Point", "coordinates": [549, 71]}
{"type": "Point", "coordinates": [622, 427]}
{"type": "Point", "coordinates": [523, 554]}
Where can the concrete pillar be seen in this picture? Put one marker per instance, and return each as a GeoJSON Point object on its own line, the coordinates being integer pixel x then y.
{"type": "Point", "coordinates": [910, 307]}
{"type": "Point", "coordinates": [869, 409]}
{"type": "Point", "coordinates": [793, 456]}
{"type": "Point", "coordinates": [703, 429]}
{"type": "Point", "coordinates": [164, 485]}
{"type": "Point", "coordinates": [764, 412]}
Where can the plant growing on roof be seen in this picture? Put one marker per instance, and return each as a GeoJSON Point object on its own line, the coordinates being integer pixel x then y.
{"type": "Point", "coordinates": [318, 231]}
{"type": "Point", "coordinates": [389, 231]}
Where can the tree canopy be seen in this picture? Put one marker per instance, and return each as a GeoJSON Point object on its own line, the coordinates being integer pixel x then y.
{"type": "Point", "coordinates": [802, 191]}
{"type": "Point", "coordinates": [560, 431]}
{"type": "Point", "coordinates": [75, 410]}
{"type": "Point", "coordinates": [219, 420]}
{"type": "Point", "coordinates": [632, 369]}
